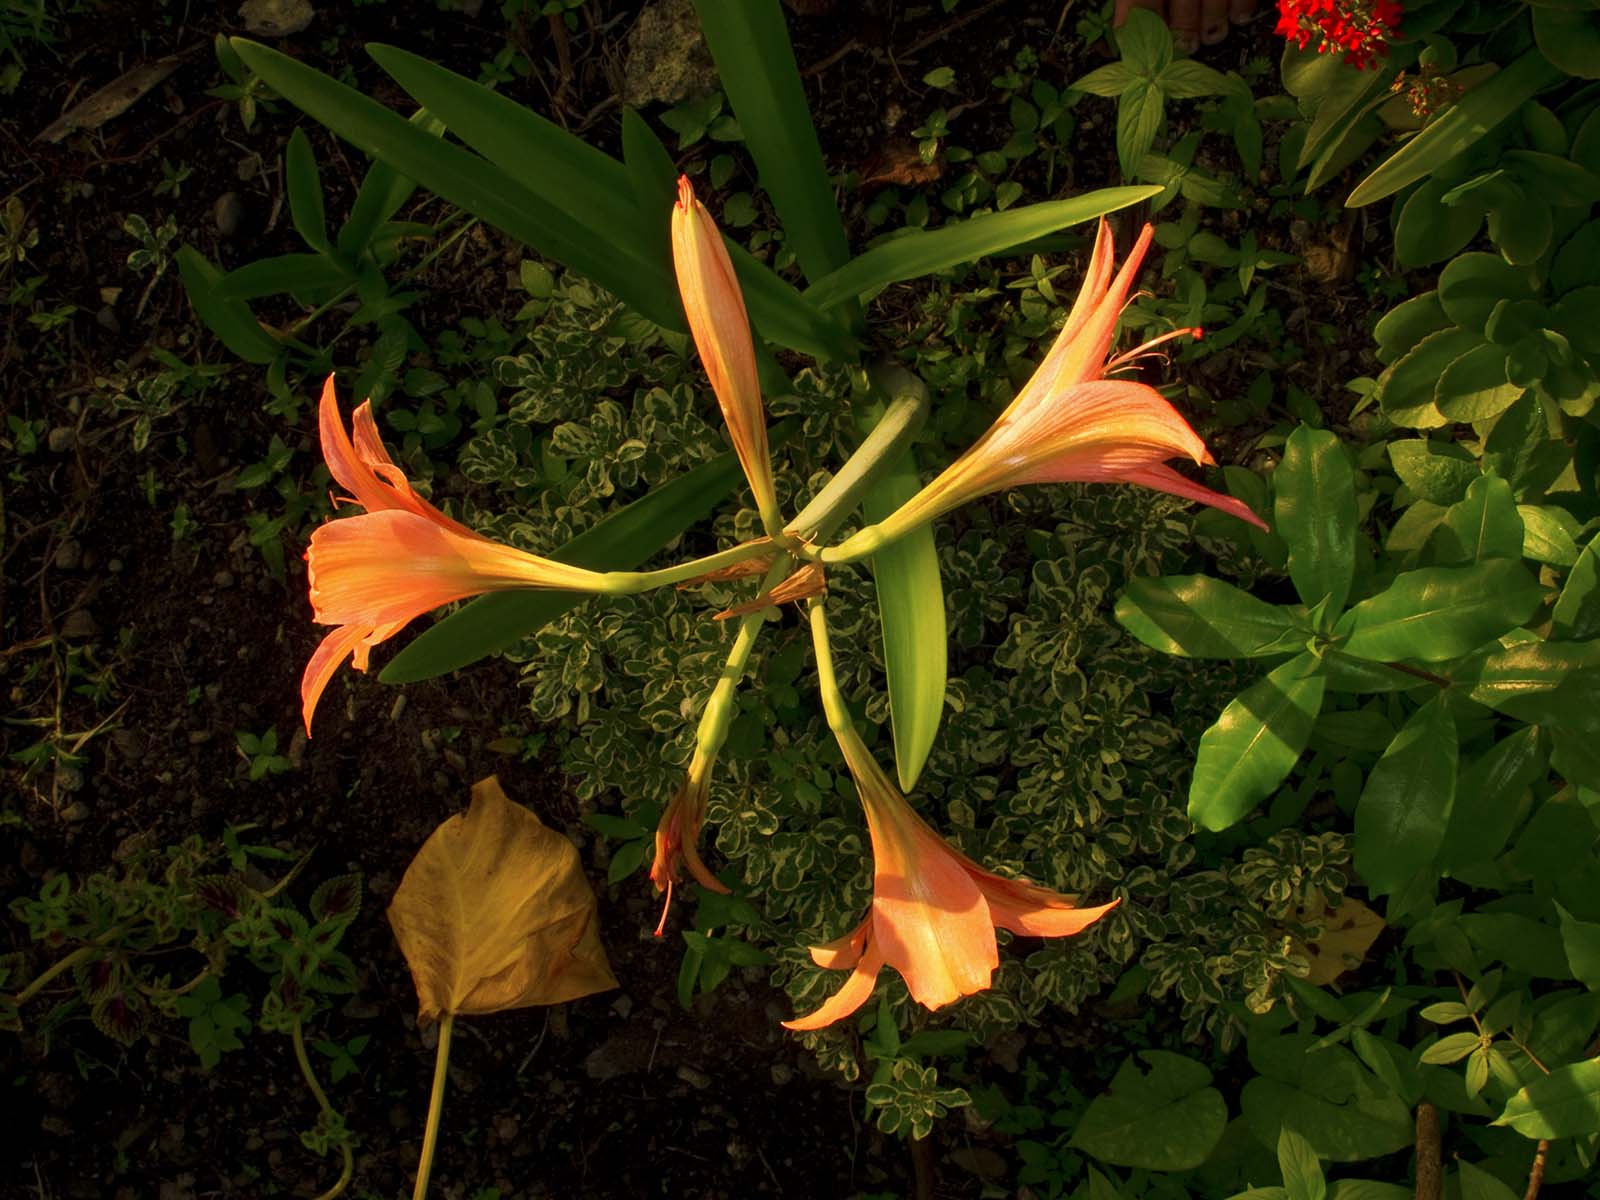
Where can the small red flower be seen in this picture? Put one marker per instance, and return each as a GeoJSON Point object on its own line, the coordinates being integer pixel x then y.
{"type": "Point", "coordinates": [1362, 29]}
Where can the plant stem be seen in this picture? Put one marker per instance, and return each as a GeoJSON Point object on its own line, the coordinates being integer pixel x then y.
{"type": "Point", "coordinates": [304, 1060]}
{"type": "Point", "coordinates": [626, 583]}
{"type": "Point", "coordinates": [430, 1135]}
{"type": "Point", "coordinates": [87, 950]}
{"type": "Point", "coordinates": [1536, 1172]}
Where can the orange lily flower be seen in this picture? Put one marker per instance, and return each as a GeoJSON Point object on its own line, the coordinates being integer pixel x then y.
{"type": "Point", "coordinates": [1070, 423]}
{"type": "Point", "coordinates": [372, 574]}
{"type": "Point", "coordinates": [721, 329]}
{"type": "Point", "coordinates": [934, 911]}
{"type": "Point", "coordinates": [678, 837]}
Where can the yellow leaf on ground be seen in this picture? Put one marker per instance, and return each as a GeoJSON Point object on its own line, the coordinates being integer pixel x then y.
{"type": "Point", "coordinates": [1347, 934]}
{"type": "Point", "coordinates": [494, 912]}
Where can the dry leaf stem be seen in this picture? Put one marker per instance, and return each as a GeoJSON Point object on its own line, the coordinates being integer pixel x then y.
{"type": "Point", "coordinates": [430, 1136]}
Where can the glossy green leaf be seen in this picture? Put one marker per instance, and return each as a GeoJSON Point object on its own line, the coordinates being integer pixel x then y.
{"type": "Point", "coordinates": [1435, 613]}
{"type": "Point", "coordinates": [1439, 472]}
{"type": "Point", "coordinates": [1491, 799]}
{"type": "Point", "coordinates": [911, 609]}
{"type": "Point", "coordinates": [1326, 1095]}
{"type": "Point", "coordinates": [303, 183]}
{"type": "Point", "coordinates": [1405, 807]}
{"type": "Point", "coordinates": [1522, 943]}
{"type": "Point", "coordinates": [1478, 1184]}
{"type": "Point", "coordinates": [1564, 1103]}
{"type": "Point", "coordinates": [1549, 534]}
{"type": "Point", "coordinates": [1544, 682]}
{"type": "Point", "coordinates": [1484, 524]}
{"type": "Point", "coordinates": [756, 64]}
{"type": "Point", "coordinates": [621, 542]}
{"type": "Point", "coordinates": [1472, 285]}
{"type": "Point", "coordinates": [231, 320]}
{"type": "Point", "coordinates": [1576, 616]}
{"type": "Point", "coordinates": [1300, 1167]}
{"type": "Point", "coordinates": [1254, 744]}
{"type": "Point", "coordinates": [1477, 112]}
{"type": "Point", "coordinates": [1474, 385]}
{"type": "Point", "coordinates": [1140, 114]}
{"type": "Point", "coordinates": [1431, 231]}
{"type": "Point", "coordinates": [1316, 515]}
{"type": "Point", "coordinates": [382, 193]}
{"type": "Point", "coordinates": [1168, 1118]}
{"type": "Point", "coordinates": [923, 252]}
{"type": "Point", "coordinates": [1407, 323]}
{"type": "Point", "coordinates": [1569, 39]}
{"type": "Point", "coordinates": [1581, 940]}
{"type": "Point", "coordinates": [1405, 389]}
{"type": "Point", "coordinates": [1200, 617]}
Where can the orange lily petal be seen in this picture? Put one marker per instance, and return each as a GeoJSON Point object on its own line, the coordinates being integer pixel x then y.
{"type": "Point", "coordinates": [844, 951]}
{"type": "Point", "coordinates": [847, 999]}
{"type": "Point", "coordinates": [327, 658]}
{"type": "Point", "coordinates": [1162, 478]}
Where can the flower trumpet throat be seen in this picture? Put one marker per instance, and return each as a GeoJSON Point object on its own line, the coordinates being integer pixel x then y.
{"type": "Point", "coordinates": [721, 330]}
{"type": "Point", "coordinates": [1070, 422]}
{"type": "Point", "coordinates": [678, 838]}
{"type": "Point", "coordinates": [371, 574]}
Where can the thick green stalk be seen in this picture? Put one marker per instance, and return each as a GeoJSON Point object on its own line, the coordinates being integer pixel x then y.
{"type": "Point", "coordinates": [718, 714]}
{"type": "Point", "coordinates": [833, 705]}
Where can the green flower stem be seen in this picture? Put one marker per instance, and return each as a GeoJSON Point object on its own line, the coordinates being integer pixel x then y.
{"type": "Point", "coordinates": [833, 705]}
{"type": "Point", "coordinates": [627, 583]}
{"type": "Point", "coordinates": [430, 1135]}
{"type": "Point", "coordinates": [902, 420]}
{"type": "Point", "coordinates": [718, 714]}
{"type": "Point", "coordinates": [304, 1060]}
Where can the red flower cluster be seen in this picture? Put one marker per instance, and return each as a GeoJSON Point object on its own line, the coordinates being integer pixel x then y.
{"type": "Point", "coordinates": [1360, 28]}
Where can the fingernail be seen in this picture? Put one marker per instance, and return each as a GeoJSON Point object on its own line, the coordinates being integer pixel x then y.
{"type": "Point", "coordinates": [1184, 42]}
{"type": "Point", "coordinates": [1214, 34]}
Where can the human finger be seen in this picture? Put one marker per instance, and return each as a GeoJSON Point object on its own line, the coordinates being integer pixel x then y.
{"type": "Point", "coordinates": [1213, 21]}
{"type": "Point", "coordinates": [1124, 7]}
{"type": "Point", "coordinates": [1183, 18]}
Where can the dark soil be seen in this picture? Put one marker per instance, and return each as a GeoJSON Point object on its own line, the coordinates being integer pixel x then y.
{"type": "Point", "coordinates": [192, 638]}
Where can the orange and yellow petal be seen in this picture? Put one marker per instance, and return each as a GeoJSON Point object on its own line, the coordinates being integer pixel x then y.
{"type": "Point", "coordinates": [847, 999]}
{"type": "Point", "coordinates": [327, 658]}
{"type": "Point", "coordinates": [844, 951]}
{"type": "Point", "coordinates": [1161, 478]}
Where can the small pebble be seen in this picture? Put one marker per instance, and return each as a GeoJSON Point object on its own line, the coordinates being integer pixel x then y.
{"type": "Point", "coordinates": [199, 737]}
{"type": "Point", "coordinates": [76, 811]}
{"type": "Point", "coordinates": [228, 213]}
{"type": "Point", "coordinates": [694, 1077]}
{"type": "Point", "coordinates": [223, 579]}
{"type": "Point", "coordinates": [106, 318]}
{"type": "Point", "coordinates": [61, 439]}
{"type": "Point", "coordinates": [69, 555]}
{"type": "Point", "coordinates": [782, 1073]}
{"type": "Point", "coordinates": [79, 624]}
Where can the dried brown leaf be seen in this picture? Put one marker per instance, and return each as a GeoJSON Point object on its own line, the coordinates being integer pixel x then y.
{"type": "Point", "coordinates": [1347, 934]}
{"type": "Point", "coordinates": [494, 912]}
{"type": "Point", "coordinates": [112, 100]}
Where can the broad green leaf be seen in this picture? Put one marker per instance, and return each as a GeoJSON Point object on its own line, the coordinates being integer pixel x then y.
{"type": "Point", "coordinates": [1140, 113]}
{"type": "Point", "coordinates": [911, 610]}
{"type": "Point", "coordinates": [303, 184]}
{"type": "Point", "coordinates": [1166, 1119]}
{"type": "Point", "coordinates": [1368, 1189]}
{"type": "Point", "coordinates": [1478, 1184]}
{"type": "Point", "coordinates": [1469, 119]}
{"type": "Point", "coordinates": [1474, 386]}
{"type": "Point", "coordinates": [1407, 323]}
{"type": "Point", "coordinates": [1550, 535]}
{"type": "Point", "coordinates": [1576, 616]}
{"type": "Point", "coordinates": [1316, 514]}
{"type": "Point", "coordinates": [750, 43]}
{"type": "Point", "coordinates": [620, 542]}
{"type": "Point", "coordinates": [1569, 39]}
{"type": "Point", "coordinates": [1431, 231]}
{"type": "Point", "coordinates": [1200, 617]}
{"type": "Point", "coordinates": [282, 274]}
{"type": "Point", "coordinates": [1110, 80]}
{"type": "Point", "coordinates": [1405, 389]}
{"type": "Point", "coordinates": [1564, 1103]}
{"type": "Point", "coordinates": [1302, 1171]}
{"type": "Point", "coordinates": [1472, 285]}
{"type": "Point", "coordinates": [1144, 42]}
{"type": "Point", "coordinates": [1491, 799]}
{"type": "Point", "coordinates": [1254, 744]}
{"type": "Point", "coordinates": [1581, 940]}
{"type": "Point", "coordinates": [1187, 79]}
{"type": "Point", "coordinates": [1405, 807]}
{"type": "Point", "coordinates": [1325, 1095]}
{"type": "Point", "coordinates": [1439, 472]}
{"type": "Point", "coordinates": [1435, 613]}
{"type": "Point", "coordinates": [1522, 943]}
{"type": "Point", "coordinates": [1559, 840]}
{"type": "Point", "coordinates": [231, 320]}
{"type": "Point", "coordinates": [1544, 682]}
{"type": "Point", "coordinates": [923, 252]}
{"type": "Point", "coordinates": [1482, 526]}
{"type": "Point", "coordinates": [473, 183]}
{"type": "Point", "coordinates": [1451, 1048]}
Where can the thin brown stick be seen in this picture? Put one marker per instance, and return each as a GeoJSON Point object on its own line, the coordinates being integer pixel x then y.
{"type": "Point", "coordinates": [1536, 1172]}
{"type": "Point", "coordinates": [1430, 1172]}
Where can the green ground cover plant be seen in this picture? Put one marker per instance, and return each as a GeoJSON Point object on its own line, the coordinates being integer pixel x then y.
{"type": "Point", "coordinates": [1325, 751]}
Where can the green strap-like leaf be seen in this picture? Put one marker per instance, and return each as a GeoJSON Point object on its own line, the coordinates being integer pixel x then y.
{"type": "Point", "coordinates": [756, 64]}
{"type": "Point", "coordinates": [1316, 511]}
{"type": "Point", "coordinates": [231, 320]}
{"type": "Point", "coordinates": [993, 233]}
{"type": "Point", "coordinates": [382, 193]}
{"type": "Point", "coordinates": [1405, 808]}
{"type": "Point", "coordinates": [1200, 617]}
{"type": "Point", "coordinates": [911, 609]}
{"type": "Point", "coordinates": [284, 273]}
{"type": "Point", "coordinates": [1254, 744]}
{"type": "Point", "coordinates": [303, 183]}
{"type": "Point", "coordinates": [470, 182]}
{"type": "Point", "coordinates": [619, 543]}
{"type": "Point", "coordinates": [1474, 115]}
{"type": "Point", "coordinates": [1436, 613]}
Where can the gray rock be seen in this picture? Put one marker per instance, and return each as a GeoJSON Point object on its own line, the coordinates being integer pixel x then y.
{"type": "Point", "coordinates": [77, 811]}
{"type": "Point", "coordinates": [668, 59]}
{"type": "Point", "coordinates": [61, 439]}
{"type": "Point", "coordinates": [228, 212]}
{"type": "Point", "coordinates": [276, 18]}
{"type": "Point", "coordinates": [79, 623]}
{"type": "Point", "coordinates": [69, 555]}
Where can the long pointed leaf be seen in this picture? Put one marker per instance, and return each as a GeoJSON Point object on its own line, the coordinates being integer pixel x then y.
{"type": "Point", "coordinates": [750, 43]}
{"type": "Point", "coordinates": [464, 179]}
{"type": "Point", "coordinates": [230, 320]}
{"type": "Point", "coordinates": [619, 543]}
{"type": "Point", "coordinates": [383, 190]}
{"type": "Point", "coordinates": [993, 233]}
